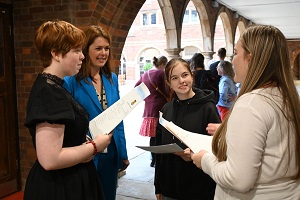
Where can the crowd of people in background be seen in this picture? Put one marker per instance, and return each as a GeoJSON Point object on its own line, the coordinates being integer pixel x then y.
{"type": "Point", "coordinates": [255, 124]}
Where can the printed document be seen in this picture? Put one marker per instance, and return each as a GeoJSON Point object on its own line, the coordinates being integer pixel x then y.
{"type": "Point", "coordinates": [105, 122]}
{"type": "Point", "coordinates": [168, 148]}
{"type": "Point", "coordinates": [194, 141]}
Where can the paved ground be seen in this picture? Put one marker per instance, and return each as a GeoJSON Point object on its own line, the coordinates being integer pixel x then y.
{"type": "Point", "coordinates": [137, 183]}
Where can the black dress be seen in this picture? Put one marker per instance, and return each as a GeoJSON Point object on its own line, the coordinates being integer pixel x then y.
{"type": "Point", "coordinates": [50, 102]}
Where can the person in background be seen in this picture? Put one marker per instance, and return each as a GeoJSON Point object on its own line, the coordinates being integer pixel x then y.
{"type": "Point", "coordinates": [256, 150]}
{"type": "Point", "coordinates": [203, 79]}
{"type": "Point", "coordinates": [155, 81]}
{"type": "Point", "coordinates": [227, 88]}
{"type": "Point", "coordinates": [213, 68]}
{"type": "Point", "coordinates": [58, 124]}
{"type": "Point", "coordinates": [96, 88]}
{"type": "Point", "coordinates": [176, 177]}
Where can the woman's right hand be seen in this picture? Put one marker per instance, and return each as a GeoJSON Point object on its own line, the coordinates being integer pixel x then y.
{"type": "Point", "coordinates": [102, 141]}
{"type": "Point", "coordinates": [212, 127]}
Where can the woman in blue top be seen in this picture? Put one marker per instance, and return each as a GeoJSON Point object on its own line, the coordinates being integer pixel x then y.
{"type": "Point", "coordinates": [227, 88]}
{"type": "Point", "coordinates": [96, 88]}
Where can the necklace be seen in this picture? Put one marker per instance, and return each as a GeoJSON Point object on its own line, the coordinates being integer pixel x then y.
{"type": "Point", "coordinates": [101, 96]}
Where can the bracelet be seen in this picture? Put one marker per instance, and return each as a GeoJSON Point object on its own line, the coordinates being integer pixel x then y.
{"type": "Point", "coordinates": [95, 147]}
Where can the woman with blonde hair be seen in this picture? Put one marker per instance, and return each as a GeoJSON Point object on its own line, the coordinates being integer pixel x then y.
{"type": "Point", "coordinates": [256, 150]}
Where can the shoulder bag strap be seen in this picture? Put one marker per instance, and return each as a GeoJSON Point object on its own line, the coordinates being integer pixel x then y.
{"type": "Point", "coordinates": [156, 88]}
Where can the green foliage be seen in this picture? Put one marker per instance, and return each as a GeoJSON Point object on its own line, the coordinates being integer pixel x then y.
{"type": "Point", "coordinates": [147, 66]}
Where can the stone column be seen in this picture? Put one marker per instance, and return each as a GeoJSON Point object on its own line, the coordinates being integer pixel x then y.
{"type": "Point", "coordinates": [207, 57]}
{"type": "Point", "coordinates": [173, 53]}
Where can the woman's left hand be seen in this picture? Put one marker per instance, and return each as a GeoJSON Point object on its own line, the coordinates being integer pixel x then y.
{"type": "Point", "coordinates": [197, 157]}
{"type": "Point", "coordinates": [185, 155]}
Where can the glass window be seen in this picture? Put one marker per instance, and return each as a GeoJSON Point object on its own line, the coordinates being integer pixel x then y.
{"type": "Point", "coordinates": [153, 18]}
{"type": "Point", "coordinates": [194, 16]}
{"type": "Point", "coordinates": [186, 17]}
{"type": "Point", "coordinates": [145, 19]}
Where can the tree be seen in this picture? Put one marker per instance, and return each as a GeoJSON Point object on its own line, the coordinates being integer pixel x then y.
{"type": "Point", "coordinates": [147, 66]}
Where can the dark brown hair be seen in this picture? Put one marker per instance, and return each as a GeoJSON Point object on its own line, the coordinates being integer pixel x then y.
{"type": "Point", "coordinates": [197, 61]}
{"type": "Point", "coordinates": [162, 60]}
{"type": "Point", "coordinates": [93, 32]}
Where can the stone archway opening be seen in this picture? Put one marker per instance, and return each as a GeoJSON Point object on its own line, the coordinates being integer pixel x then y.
{"type": "Point", "coordinates": [191, 27]}
{"type": "Point", "coordinates": [219, 38]}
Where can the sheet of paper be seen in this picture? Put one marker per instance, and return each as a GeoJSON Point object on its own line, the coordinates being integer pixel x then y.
{"type": "Point", "coordinates": [113, 115]}
{"type": "Point", "coordinates": [168, 148]}
{"type": "Point", "coordinates": [194, 141]}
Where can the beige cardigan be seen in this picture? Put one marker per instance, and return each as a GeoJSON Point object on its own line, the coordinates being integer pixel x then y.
{"type": "Point", "coordinates": [259, 143]}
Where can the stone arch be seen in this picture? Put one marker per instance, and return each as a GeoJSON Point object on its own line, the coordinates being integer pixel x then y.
{"type": "Point", "coordinates": [228, 31]}
{"type": "Point", "coordinates": [142, 49]}
{"type": "Point", "coordinates": [138, 55]}
{"type": "Point", "coordinates": [205, 25]}
{"type": "Point", "coordinates": [187, 55]}
{"type": "Point", "coordinates": [114, 17]}
{"type": "Point", "coordinates": [239, 29]}
{"type": "Point", "coordinates": [206, 28]}
{"type": "Point", "coordinates": [241, 26]}
{"type": "Point", "coordinates": [173, 32]}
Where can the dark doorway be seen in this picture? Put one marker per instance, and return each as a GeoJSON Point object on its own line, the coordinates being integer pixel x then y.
{"type": "Point", "coordinates": [9, 161]}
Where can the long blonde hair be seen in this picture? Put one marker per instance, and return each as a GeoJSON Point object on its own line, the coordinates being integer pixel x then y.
{"type": "Point", "coordinates": [269, 64]}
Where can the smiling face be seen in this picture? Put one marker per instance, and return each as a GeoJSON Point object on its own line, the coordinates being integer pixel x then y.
{"type": "Point", "coordinates": [181, 81]}
{"type": "Point", "coordinates": [240, 62]}
{"type": "Point", "coordinates": [99, 52]}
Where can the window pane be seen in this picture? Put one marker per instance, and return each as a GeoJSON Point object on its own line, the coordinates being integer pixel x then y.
{"type": "Point", "coordinates": [153, 19]}
{"type": "Point", "coordinates": [145, 19]}
{"type": "Point", "coordinates": [186, 17]}
{"type": "Point", "coordinates": [194, 16]}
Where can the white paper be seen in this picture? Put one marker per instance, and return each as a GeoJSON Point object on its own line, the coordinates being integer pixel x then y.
{"type": "Point", "coordinates": [168, 148]}
{"type": "Point", "coordinates": [194, 141]}
{"type": "Point", "coordinates": [105, 122]}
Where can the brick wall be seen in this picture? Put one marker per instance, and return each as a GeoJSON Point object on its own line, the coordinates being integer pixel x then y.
{"type": "Point", "coordinates": [114, 15]}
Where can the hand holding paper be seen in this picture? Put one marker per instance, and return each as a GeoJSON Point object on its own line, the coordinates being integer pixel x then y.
{"type": "Point", "coordinates": [113, 115]}
{"type": "Point", "coordinates": [194, 141]}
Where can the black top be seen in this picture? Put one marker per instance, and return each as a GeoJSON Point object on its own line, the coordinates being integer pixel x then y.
{"type": "Point", "coordinates": [50, 102]}
{"type": "Point", "coordinates": [205, 79]}
{"type": "Point", "coordinates": [175, 177]}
